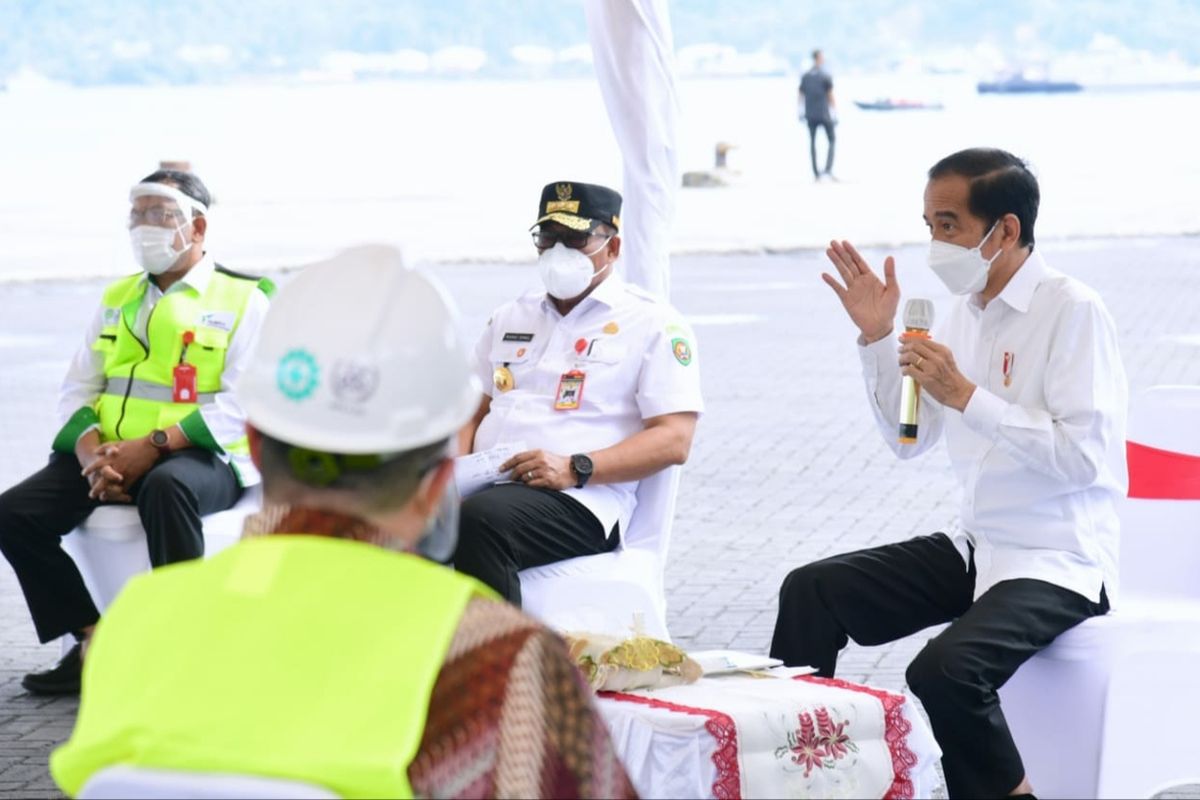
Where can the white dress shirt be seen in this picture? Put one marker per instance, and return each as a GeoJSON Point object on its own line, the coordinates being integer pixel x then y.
{"type": "Point", "coordinates": [639, 359]}
{"type": "Point", "coordinates": [85, 381]}
{"type": "Point", "coordinates": [1040, 448]}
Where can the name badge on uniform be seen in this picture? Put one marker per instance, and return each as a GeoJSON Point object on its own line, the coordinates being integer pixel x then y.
{"type": "Point", "coordinates": [502, 378]}
{"type": "Point", "coordinates": [570, 391]}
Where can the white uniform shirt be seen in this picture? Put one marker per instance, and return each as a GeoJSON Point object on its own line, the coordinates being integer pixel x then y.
{"type": "Point", "coordinates": [85, 381]}
{"type": "Point", "coordinates": [1041, 457]}
{"type": "Point", "coordinates": [639, 359]}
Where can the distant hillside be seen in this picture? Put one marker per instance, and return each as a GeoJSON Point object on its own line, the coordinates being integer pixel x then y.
{"type": "Point", "coordinates": [170, 41]}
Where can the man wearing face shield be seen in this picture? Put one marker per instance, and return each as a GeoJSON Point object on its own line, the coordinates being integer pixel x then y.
{"type": "Point", "coordinates": [1024, 380]}
{"type": "Point", "coordinates": [327, 651]}
{"type": "Point", "coordinates": [147, 413]}
{"type": "Point", "coordinates": [596, 381]}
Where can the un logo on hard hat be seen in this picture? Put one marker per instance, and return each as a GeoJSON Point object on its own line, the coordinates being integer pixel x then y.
{"type": "Point", "coordinates": [297, 375]}
{"type": "Point", "coordinates": [354, 382]}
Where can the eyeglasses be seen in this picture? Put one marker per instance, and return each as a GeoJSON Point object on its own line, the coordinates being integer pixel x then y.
{"type": "Point", "coordinates": [155, 215]}
{"type": "Point", "coordinates": [576, 240]}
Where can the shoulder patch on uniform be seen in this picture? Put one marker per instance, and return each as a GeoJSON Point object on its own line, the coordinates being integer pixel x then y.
{"type": "Point", "coordinates": [682, 350]}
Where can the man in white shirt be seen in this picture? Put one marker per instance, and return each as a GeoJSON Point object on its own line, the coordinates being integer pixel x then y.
{"type": "Point", "coordinates": [147, 414]}
{"type": "Point", "coordinates": [596, 380]}
{"type": "Point", "coordinates": [1025, 381]}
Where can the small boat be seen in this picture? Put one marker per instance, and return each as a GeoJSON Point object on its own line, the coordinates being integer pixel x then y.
{"type": "Point", "coordinates": [1019, 84]}
{"type": "Point", "coordinates": [896, 104]}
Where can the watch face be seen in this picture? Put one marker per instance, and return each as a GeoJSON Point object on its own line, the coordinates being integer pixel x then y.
{"type": "Point", "coordinates": [582, 464]}
{"type": "Point", "coordinates": [158, 438]}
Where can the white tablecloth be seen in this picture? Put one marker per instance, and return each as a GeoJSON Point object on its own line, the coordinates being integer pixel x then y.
{"type": "Point", "coordinates": [739, 736]}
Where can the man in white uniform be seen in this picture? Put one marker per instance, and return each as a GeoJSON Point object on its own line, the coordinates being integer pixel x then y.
{"type": "Point", "coordinates": [596, 378]}
{"type": "Point", "coordinates": [1025, 381]}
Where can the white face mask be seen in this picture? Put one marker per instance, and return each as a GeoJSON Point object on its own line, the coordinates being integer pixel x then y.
{"type": "Point", "coordinates": [154, 247]}
{"type": "Point", "coordinates": [964, 270]}
{"type": "Point", "coordinates": [567, 272]}
{"type": "Point", "coordinates": [440, 537]}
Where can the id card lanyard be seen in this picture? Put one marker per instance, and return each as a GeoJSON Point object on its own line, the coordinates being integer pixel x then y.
{"type": "Point", "coordinates": [183, 389]}
{"type": "Point", "coordinates": [570, 385]}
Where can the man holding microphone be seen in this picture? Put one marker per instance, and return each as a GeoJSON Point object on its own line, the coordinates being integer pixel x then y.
{"type": "Point", "coordinates": [1025, 381]}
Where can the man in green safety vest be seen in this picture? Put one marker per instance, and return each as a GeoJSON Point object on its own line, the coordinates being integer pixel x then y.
{"type": "Point", "coordinates": [330, 652]}
{"type": "Point", "coordinates": [147, 411]}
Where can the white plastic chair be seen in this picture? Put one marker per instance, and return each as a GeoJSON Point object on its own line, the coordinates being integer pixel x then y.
{"type": "Point", "coordinates": [140, 783]}
{"type": "Point", "coordinates": [605, 593]}
{"type": "Point", "coordinates": [1108, 709]}
{"type": "Point", "coordinates": [110, 546]}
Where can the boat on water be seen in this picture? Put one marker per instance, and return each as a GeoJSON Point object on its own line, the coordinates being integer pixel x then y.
{"type": "Point", "coordinates": [1019, 84]}
{"type": "Point", "coordinates": [896, 104]}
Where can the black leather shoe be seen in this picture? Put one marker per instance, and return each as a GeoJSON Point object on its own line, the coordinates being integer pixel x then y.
{"type": "Point", "coordinates": [62, 679]}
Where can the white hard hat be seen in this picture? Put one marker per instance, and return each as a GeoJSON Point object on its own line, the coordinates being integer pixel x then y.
{"type": "Point", "coordinates": [360, 355]}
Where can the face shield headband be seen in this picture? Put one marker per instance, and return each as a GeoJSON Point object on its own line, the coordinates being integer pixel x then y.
{"type": "Point", "coordinates": [189, 205]}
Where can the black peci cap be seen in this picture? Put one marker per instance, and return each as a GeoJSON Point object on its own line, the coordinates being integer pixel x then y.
{"type": "Point", "coordinates": [579, 206]}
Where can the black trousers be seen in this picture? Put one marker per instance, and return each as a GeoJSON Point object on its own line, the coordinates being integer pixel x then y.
{"type": "Point", "coordinates": [830, 139]}
{"type": "Point", "coordinates": [36, 513]}
{"type": "Point", "coordinates": [511, 527]}
{"type": "Point", "coordinates": [878, 595]}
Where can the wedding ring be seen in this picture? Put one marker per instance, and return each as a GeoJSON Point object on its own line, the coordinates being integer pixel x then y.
{"type": "Point", "coordinates": [529, 475]}
{"type": "Point", "coordinates": [918, 362]}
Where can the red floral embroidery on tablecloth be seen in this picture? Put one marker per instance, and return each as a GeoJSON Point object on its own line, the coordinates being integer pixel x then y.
{"type": "Point", "coordinates": [896, 729]}
{"type": "Point", "coordinates": [728, 785]}
{"type": "Point", "coordinates": [818, 744]}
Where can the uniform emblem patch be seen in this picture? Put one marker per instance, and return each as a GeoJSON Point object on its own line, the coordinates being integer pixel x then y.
{"type": "Point", "coordinates": [682, 351]}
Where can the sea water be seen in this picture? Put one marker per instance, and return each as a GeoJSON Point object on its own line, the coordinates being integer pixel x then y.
{"type": "Point", "coordinates": [451, 170]}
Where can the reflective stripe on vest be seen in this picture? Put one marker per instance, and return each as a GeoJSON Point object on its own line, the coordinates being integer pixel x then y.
{"type": "Point", "coordinates": [300, 657]}
{"type": "Point", "coordinates": [145, 390]}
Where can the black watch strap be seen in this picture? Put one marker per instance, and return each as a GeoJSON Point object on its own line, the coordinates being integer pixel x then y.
{"type": "Point", "coordinates": [581, 465]}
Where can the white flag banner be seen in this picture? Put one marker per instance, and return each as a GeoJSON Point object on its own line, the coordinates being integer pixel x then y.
{"type": "Point", "coordinates": [634, 56]}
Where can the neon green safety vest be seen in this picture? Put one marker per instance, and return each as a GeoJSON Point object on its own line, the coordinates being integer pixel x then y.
{"type": "Point", "coordinates": [297, 657]}
{"type": "Point", "coordinates": [138, 394]}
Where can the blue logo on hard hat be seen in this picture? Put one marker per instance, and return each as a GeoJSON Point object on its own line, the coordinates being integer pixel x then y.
{"type": "Point", "coordinates": [297, 375]}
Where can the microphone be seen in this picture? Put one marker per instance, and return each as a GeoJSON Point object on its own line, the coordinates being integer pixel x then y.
{"type": "Point", "coordinates": [918, 319]}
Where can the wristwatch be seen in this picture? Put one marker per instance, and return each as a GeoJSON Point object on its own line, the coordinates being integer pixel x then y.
{"type": "Point", "coordinates": [161, 442]}
{"type": "Point", "coordinates": [581, 465]}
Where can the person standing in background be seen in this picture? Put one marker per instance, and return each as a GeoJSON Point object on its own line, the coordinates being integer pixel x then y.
{"type": "Point", "coordinates": [816, 92]}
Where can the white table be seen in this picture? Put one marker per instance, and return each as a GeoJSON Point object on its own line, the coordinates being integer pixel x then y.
{"type": "Point", "coordinates": [786, 735]}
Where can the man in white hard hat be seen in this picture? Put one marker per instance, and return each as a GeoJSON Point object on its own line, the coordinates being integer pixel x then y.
{"type": "Point", "coordinates": [597, 378]}
{"type": "Point", "coordinates": [328, 652]}
{"type": "Point", "coordinates": [147, 414]}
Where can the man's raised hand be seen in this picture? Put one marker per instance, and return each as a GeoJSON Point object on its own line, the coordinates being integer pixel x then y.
{"type": "Point", "coordinates": [870, 302]}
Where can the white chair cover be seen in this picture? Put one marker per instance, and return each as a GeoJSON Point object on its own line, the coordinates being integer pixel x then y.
{"type": "Point", "coordinates": [110, 546]}
{"type": "Point", "coordinates": [1158, 557]}
{"type": "Point", "coordinates": [139, 783]}
{"type": "Point", "coordinates": [604, 593]}
{"type": "Point", "coordinates": [1080, 710]}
